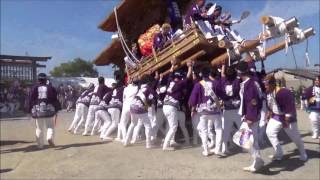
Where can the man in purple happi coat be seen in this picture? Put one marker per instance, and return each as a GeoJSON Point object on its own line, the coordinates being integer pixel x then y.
{"type": "Point", "coordinates": [194, 12]}
{"type": "Point", "coordinates": [98, 94]}
{"type": "Point", "coordinates": [113, 108]}
{"type": "Point", "coordinates": [82, 105]}
{"type": "Point", "coordinates": [312, 95]}
{"type": "Point", "coordinates": [250, 109]}
{"type": "Point", "coordinates": [205, 100]}
{"type": "Point", "coordinates": [172, 102]}
{"type": "Point", "coordinates": [43, 106]}
{"type": "Point", "coordinates": [282, 114]}
{"type": "Point", "coordinates": [139, 110]}
{"type": "Point", "coordinates": [230, 85]}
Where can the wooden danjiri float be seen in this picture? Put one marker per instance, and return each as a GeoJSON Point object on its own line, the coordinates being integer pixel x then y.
{"type": "Point", "coordinates": [133, 17]}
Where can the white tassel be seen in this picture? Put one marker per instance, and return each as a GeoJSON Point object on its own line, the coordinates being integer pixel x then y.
{"type": "Point", "coordinates": [307, 55]}
{"type": "Point", "coordinates": [229, 57]}
{"type": "Point", "coordinates": [264, 42]}
{"type": "Point", "coordinates": [286, 39]}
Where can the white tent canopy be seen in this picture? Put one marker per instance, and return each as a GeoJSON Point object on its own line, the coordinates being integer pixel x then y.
{"type": "Point", "coordinates": [79, 81]}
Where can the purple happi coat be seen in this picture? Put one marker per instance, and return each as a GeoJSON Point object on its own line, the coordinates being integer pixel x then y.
{"type": "Point", "coordinates": [85, 97]}
{"type": "Point", "coordinates": [43, 101]}
{"type": "Point", "coordinates": [98, 94]}
{"type": "Point", "coordinates": [159, 40]}
{"type": "Point", "coordinates": [143, 99]}
{"type": "Point", "coordinates": [281, 103]}
{"type": "Point", "coordinates": [174, 92]}
{"type": "Point", "coordinates": [116, 98]}
{"type": "Point", "coordinates": [313, 92]}
{"type": "Point", "coordinates": [251, 101]}
{"type": "Point", "coordinates": [193, 12]}
{"type": "Point", "coordinates": [201, 98]}
{"type": "Point", "coordinates": [230, 90]}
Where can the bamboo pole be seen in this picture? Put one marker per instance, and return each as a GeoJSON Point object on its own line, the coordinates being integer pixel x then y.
{"type": "Point", "coordinates": [184, 62]}
{"type": "Point", "coordinates": [277, 47]}
{"type": "Point", "coordinates": [247, 46]}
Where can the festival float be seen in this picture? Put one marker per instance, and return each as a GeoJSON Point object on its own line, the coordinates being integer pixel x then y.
{"type": "Point", "coordinates": [138, 20]}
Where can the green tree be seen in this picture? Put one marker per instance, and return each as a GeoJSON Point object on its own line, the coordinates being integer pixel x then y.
{"type": "Point", "coordinates": [75, 68]}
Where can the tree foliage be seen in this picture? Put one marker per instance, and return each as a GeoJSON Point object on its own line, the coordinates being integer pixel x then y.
{"type": "Point", "coordinates": [75, 68]}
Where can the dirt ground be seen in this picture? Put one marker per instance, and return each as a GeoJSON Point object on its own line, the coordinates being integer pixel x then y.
{"type": "Point", "coordinates": [78, 157]}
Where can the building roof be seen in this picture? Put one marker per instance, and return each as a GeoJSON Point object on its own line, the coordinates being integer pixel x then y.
{"type": "Point", "coordinates": [111, 54]}
{"type": "Point", "coordinates": [30, 58]}
{"type": "Point", "coordinates": [305, 73]}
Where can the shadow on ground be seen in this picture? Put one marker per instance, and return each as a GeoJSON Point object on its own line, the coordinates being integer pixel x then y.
{"type": "Point", "coordinates": [5, 143]}
{"type": "Point", "coordinates": [34, 148]}
{"type": "Point", "coordinates": [5, 170]}
{"type": "Point", "coordinates": [288, 163]}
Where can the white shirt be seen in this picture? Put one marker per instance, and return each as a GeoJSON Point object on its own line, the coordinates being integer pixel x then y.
{"type": "Point", "coordinates": [129, 93]}
{"type": "Point", "coordinates": [241, 95]}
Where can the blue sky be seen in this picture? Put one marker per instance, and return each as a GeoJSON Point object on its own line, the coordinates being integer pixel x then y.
{"type": "Point", "coordinates": [66, 29]}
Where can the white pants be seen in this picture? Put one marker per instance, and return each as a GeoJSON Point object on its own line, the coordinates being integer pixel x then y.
{"type": "Point", "coordinates": [263, 125]}
{"type": "Point", "coordinates": [90, 118]}
{"type": "Point", "coordinates": [171, 114]}
{"type": "Point", "coordinates": [315, 123]}
{"type": "Point", "coordinates": [255, 150]}
{"type": "Point", "coordinates": [124, 119]}
{"type": "Point", "coordinates": [182, 126]}
{"type": "Point", "coordinates": [43, 124]}
{"type": "Point", "coordinates": [103, 116]}
{"type": "Point", "coordinates": [115, 117]}
{"type": "Point", "coordinates": [147, 125]}
{"type": "Point", "coordinates": [80, 115]}
{"type": "Point", "coordinates": [229, 118]}
{"type": "Point", "coordinates": [137, 129]}
{"type": "Point", "coordinates": [211, 131]}
{"type": "Point", "coordinates": [160, 120]}
{"type": "Point", "coordinates": [204, 131]}
{"type": "Point", "coordinates": [273, 129]}
{"type": "Point", "coordinates": [195, 133]}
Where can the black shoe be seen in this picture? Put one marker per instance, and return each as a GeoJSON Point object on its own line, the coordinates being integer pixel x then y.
{"type": "Point", "coordinates": [51, 144]}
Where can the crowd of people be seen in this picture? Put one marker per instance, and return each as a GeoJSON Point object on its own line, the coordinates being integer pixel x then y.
{"type": "Point", "coordinates": [217, 102]}
{"type": "Point", "coordinates": [13, 98]}
{"type": "Point", "coordinates": [67, 95]}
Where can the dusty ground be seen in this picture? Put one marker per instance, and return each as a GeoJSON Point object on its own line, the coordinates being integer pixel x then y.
{"type": "Point", "coordinates": [81, 157]}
